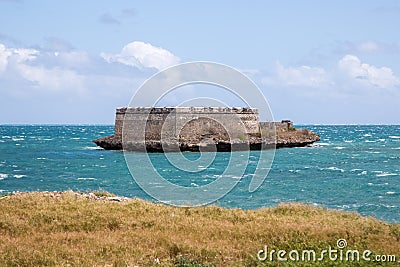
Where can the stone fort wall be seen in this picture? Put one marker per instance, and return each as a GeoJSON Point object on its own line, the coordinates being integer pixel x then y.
{"type": "Point", "coordinates": [185, 122]}
{"type": "Point", "coordinates": [191, 123]}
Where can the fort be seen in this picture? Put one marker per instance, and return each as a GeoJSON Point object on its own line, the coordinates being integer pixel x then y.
{"type": "Point", "coordinates": [164, 129]}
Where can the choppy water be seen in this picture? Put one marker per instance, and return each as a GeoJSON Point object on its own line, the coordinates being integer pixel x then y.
{"type": "Point", "coordinates": [351, 168]}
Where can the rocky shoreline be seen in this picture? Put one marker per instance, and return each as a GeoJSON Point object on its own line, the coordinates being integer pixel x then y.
{"type": "Point", "coordinates": [287, 138]}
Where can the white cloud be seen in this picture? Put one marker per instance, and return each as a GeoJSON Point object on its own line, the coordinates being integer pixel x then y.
{"type": "Point", "coordinates": [352, 68]}
{"type": "Point", "coordinates": [15, 54]}
{"type": "Point", "coordinates": [4, 54]}
{"type": "Point", "coordinates": [349, 71]}
{"type": "Point", "coordinates": [27, 65]}
{"type": "Point", "coordinates": [140, 54]}
{"type": "Point", "coordinates": [301, 76]}
{"type": "Point", "coordinates": [76, 72]}
{"type": "Point", "coordinates": [52, 79]}
{"type": "Point", "coordinates": [74, 85]}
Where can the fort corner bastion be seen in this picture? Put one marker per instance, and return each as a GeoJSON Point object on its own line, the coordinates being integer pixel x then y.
{"type": "Point", "coordinates": [165, 129]}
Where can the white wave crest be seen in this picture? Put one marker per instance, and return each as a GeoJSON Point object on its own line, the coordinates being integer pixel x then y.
{"type": "Point", "coordinates": [93, 148]}
{"type": "Point", "coordinates": [386, 174]}
{"type": "Point", "coordinates": [333, 168]}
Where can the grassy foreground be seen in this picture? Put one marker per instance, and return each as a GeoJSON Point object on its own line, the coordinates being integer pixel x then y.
{"type": "Point", "coordinates": [66, 229]}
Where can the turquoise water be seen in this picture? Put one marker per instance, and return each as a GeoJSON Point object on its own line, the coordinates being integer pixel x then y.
{"type": "Point", "coordinates": [353, 168]}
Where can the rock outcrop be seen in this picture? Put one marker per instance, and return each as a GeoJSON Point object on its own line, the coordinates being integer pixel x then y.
{"type": "Point", "coordinates": [293, 138]}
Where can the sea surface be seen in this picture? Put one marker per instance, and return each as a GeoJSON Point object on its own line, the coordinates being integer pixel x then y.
{"type": "Point", "coordinates": [352, 168]}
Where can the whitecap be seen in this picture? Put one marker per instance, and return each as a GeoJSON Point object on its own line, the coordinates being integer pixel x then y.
{"type": "Point", "coordinates": [348, 141]}
{"type": "Point", "coordinates": [2, 141]}
{"type": "Point", "coordinates": [367, 135]}
{"type": "Point", "coordinates": [234, 177]}
{"type": "Point", "coordinates": [75, 138]}
{"type": "Point", "coordinates": [18, 139]}
{"type": "Point", "coordinates": [340, 147]}
{"type": "Point", "coordinates": [390, 192]}
{"type": "Point", "coordinates": [322, 144]}
{"type": "Point", "coordinates": [194, 184]}
{"type": "Point", "coordinates": [89, 178]}
{"type": "Point", "coordinates": [394, 137]}
{"type": "Point", "coordinates": [382, 140]}
{"type": "Point", "coordinates": [41, 158]}
{"type": "Point", "coordinates": [388, 206]}
{"type": "Point", "coordinates": [386, 174]}
{"type": "Point", "coordinates": [19, 176]}
{"type": "Point", "coordinates": [93, 148]}
{"type": "Point", "coordinates": [369, 141]}
{"type": "Point", "coordinates": [397, 148]}
{"type": "Point", "coordinates": [334, 169]}
{"type": "Point", "coordinates": [3, 176]}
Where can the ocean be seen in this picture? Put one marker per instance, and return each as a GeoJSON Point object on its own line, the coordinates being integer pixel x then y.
{"type": "Point", "coordinates": [352, 168]}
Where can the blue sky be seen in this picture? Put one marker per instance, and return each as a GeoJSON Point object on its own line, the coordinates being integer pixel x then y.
{"type": "Point", "coordinates": [316, 62]}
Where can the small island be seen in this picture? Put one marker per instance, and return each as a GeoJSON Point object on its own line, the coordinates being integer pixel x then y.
{"type": "Point", "coordinates": [167, 129]}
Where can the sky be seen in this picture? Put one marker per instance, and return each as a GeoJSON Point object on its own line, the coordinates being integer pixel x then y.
{"type": "Point", "coordinates": [316, 62]}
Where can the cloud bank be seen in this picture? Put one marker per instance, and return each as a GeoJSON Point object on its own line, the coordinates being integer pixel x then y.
{"type": "Point", "coordinates": [80, 87]}
{"type": "Point", "coordinates": [71, 83]}
{"type": "Point", "coordinates": [349, 71]}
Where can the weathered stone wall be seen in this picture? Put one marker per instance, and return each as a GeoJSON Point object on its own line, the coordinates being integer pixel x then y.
{"type": "Point", "coordinates": [284, 125]}
{"type": "Point", "coordinates": [186, 123]}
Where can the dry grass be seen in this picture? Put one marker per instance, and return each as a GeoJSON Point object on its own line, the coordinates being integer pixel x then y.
{"type": "Point", "coordinates": [38, 230]}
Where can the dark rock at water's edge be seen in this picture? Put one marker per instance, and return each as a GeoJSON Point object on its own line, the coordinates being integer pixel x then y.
{"type": "Point", "coordinates": [109, 143]}
{"type": "Point", "coordinates": [200, 130]}
{"type": "Point", "coordinates": [295, 138]}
